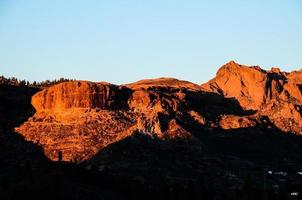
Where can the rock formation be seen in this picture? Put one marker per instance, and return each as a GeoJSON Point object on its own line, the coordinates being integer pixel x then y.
{"type": "Point", "coordinates": [79, 118]}
{"type": "Point", "coordinates": [272, 93]}
{"type": "Point", "coordinates": [81, 94]}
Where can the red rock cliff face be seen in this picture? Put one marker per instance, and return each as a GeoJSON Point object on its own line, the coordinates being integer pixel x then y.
{"type": "Point", "coordinates": [271, 93]}
{"type": "Point", "coordinates": [80, 94]}
{"type": "Point", "coordinates": [293, 87]}
{"type": "Point", "coordinates": [80, 118]}
{"type": "Point", "coordinates": [254, 87]}
{"type": "Point", "coordinates": [246, 84]}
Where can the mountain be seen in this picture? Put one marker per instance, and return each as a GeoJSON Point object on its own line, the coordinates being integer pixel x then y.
{"type": "Point", "coordinates": [79, 118]}
{"type": "Point", "coordinates": [156, 138]}
{"type": "Point", "coordinates": [275, 94]}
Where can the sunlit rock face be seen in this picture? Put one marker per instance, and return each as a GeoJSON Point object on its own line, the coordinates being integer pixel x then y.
{"type": "Point", "coordinates": [80, 118]}
{"type": "Point", "coordinates": [272, 93]}
{"type": "Point", "coordinates": [246, 84]}
{"type": "Point", "coordinates": [81, 94]}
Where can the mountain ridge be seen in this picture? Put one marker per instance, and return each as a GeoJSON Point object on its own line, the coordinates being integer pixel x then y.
{"type": "Point", "coordinates": [79, 118]}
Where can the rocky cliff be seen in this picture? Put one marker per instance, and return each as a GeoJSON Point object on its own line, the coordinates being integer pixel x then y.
{"type": "Point", "coordinates": [80, 118]}
{"type": "Point", "coordinates": [81, 94]}
{"type": "Point", "coordinates": [272, 93]}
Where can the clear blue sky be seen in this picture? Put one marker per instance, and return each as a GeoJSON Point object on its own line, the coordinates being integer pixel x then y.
{"type": "Point", "coordinates": [122, 41]}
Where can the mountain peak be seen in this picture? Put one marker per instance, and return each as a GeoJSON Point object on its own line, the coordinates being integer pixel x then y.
{"type": "Point", "coordinates": [163, 82]}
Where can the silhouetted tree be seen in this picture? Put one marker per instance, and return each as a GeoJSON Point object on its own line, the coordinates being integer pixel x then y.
{"type": "Point", "coordinates": [16, 82]}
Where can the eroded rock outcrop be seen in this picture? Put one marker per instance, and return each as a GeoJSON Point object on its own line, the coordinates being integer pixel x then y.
{"type": "Point", "coordinates": [246, 84]}
{"type": "Point", "coordinates": [79, 118]}
{"type": "Point", "coordinates": [236, 122]}
{"type": "Point", "coordinates": [270, 93]}
{"type": "Point", "coordinates": [81, 94]}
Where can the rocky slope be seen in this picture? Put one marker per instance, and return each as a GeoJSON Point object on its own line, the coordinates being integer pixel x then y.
{"type": "Point", "coordinates": [80, 118]}
{"type": "Point", "coordinates": [272, 93]}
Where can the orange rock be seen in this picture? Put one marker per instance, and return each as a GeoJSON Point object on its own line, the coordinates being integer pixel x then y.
{"type": "Point", "coordinates": [235, 122]}
{"type": "Point", "coordinates": [246, 84]}
{"type": "Point", "coordinates": [80, 94]}
{"type": "Point", "coordinates": [79, 118]}
{"type": "Point", "coordinates": [272, 93]}
{"type": "Point", "coordinates": [293, 87]}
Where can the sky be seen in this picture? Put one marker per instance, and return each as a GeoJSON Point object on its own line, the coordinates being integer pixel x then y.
{"type": "Point", "coordinates": [122, 41]}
